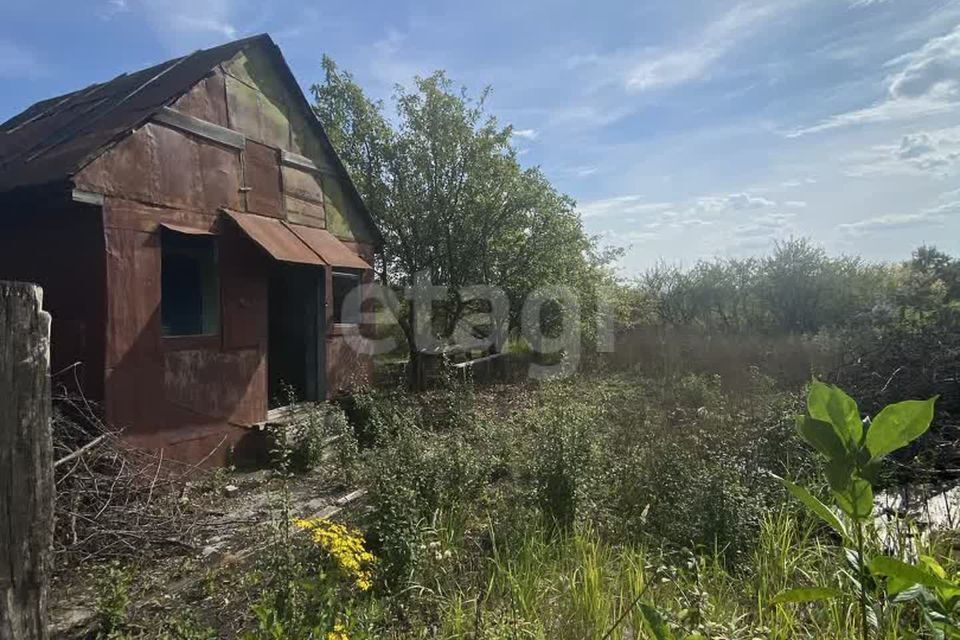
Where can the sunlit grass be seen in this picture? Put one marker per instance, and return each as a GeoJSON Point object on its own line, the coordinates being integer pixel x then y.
{"type": "Point", "coordinates": [577, 586]}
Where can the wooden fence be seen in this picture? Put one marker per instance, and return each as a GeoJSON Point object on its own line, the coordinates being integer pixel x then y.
{"type": "Point", "coordinates": [26, 462]}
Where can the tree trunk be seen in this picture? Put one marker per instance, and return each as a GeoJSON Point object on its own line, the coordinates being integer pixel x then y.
{"type": "Point", "coordinates": [26, 463]}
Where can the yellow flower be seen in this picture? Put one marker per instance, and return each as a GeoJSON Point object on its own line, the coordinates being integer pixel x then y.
{"type": "Point", "coordinates": [344, 546]}
{"type": "Point", "coordinates": [339, 633]}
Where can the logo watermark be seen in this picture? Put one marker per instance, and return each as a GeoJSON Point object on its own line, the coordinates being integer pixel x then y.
{"type": "Point", "coordinates": [478, 318]}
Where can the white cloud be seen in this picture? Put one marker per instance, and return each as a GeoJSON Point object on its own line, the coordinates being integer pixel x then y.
{"type": "Point", "coordinates": [622, 206]}
{"type": "Point", "coordinates": [527, 134]}
{"type": "Point", "coordinates": [934, 69]}
{"type": "Point", "coordinates": [668, 68]}
{"type": "Point", "coordinates": [892, 222]}
{"type": "Point", "coordinates": [770, 226]}
{"type": "Point", "coordinates": [932, 152]}
{"type": "Point", "coordinates": [927, 82]}
{"type": "Point", "coordinates": [698, 211]}
{"type": "Point", "coordinates": [795, 204]}
{"type": "Point", "coordinates": [731, 203]}
{"type": "Point", "coordinates": [886, 111]}
{"type": "Point", "coordinates": [19, 62]}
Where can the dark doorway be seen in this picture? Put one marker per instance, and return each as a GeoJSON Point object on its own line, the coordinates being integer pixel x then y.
{"type": "Point", "coordinates": [296, 356]}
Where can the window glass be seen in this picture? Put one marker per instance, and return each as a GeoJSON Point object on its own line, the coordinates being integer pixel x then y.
{"type": "Point", "coordinates": [190, 285]}
{"type": "Point", "coordinates": [345, 281]}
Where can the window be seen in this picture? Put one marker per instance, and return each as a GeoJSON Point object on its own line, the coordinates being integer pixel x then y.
{"type": "Point", "coordinates": [346, 310]}
{"type": "Point", "coordinates": [190, 285]}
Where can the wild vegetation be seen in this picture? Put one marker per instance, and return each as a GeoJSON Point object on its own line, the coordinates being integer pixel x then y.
{"type": "Point", "coordinates": [698, 482]}
{"type": "Point", "coordinates": [610, 505]}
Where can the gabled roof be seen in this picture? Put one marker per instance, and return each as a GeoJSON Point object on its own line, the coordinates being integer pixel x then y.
{"type": "Point", "coordinates": [55, 138]}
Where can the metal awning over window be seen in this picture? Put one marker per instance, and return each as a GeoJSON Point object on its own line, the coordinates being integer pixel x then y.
{"type": "Point", "coordinates": [189, 231]}
{"type": "Point", "coordinates": [297, 243]}
{"type": "Point", "coordinates": [331, 250]}
{"type": "Point", "coordinates": [275, 238]}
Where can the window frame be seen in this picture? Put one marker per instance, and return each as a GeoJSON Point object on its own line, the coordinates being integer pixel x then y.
{"type": "Point", "coordinates": [215, 329]}
{"type": "Point", "coordinates": [357, 276]}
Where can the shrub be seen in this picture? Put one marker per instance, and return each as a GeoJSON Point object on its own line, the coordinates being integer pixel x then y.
{"type": "Point", "coordinates": [113, 600]}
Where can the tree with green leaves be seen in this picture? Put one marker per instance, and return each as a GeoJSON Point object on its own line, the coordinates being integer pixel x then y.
{"type": "Point", "coordinates": [452, 200]}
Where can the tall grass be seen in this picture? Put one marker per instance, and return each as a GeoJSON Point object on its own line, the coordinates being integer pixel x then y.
{"type": "Point", "coordinates": [576, 586]}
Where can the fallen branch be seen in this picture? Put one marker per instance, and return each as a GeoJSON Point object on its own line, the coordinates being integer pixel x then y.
{"type": "Point", "coordinates": [79, 452]}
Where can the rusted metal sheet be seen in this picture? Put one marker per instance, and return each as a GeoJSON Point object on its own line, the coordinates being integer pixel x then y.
{"type": "Point", "coordinates": [275, 238]}
{"type": "Point", "coordinates": [126, 170]}
{"type": "Point", "coordinates": [244, 303]}
{"type": "Point", "coordinates": [304, 212]}
{"type": "Point", "coordinates": [131, 399]}
{"type": "Point", "coordinates": [257, 98]}
{"type": "Point", "coordinates": [261, 167]}
{"type": "Point", "coordinates": [133, 294]}
{"type": "Point", "coordinates": [207, 100]}
{"type": "Point", "coordinates": [305, 185]}
{"type": "Point", "coordinates": [210, 444]}
{"type": "Point", "coordinates": [221, 175]}
{"type": "Point", "coordinates": [243, 110]}
{"type": "Point", "coordinates": [215, 384]}
{"type": "Point", "coordinates": [362, 249]}
{"type": "Point", "coordinates": [244, 270]}
{"type": "Point", "coordinates": [333, 252]}
{"type": "Point", "coordinates": [177, 162]}
{"type": "Point", "coordinates": [349, 363]}
{"type": "Point", "coordinates": [168, 168]}
{"type": "Point", "coordinates": [137, 216]}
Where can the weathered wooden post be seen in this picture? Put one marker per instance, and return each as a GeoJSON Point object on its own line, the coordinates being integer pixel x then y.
{"type": "Point", "coordinates": [26, 462]}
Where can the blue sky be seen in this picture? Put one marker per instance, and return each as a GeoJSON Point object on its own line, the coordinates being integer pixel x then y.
{"type": "Point", "coordinates": [685, 129]}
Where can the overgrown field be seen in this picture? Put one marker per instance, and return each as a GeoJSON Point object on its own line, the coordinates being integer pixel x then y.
{"type": "Point", "coordinates": [592, 507]}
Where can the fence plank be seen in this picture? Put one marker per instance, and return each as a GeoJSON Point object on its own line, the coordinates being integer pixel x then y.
{"type": "Point", "coordinates": [26, 462]}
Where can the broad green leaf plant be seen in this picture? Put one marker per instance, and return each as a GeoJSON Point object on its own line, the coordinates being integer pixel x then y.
{"type": "Point", "coordinates": [853, 449]}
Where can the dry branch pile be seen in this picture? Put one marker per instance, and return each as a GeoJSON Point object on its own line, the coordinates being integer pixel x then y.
{"type": "Point", "coordinates": [114, 502]}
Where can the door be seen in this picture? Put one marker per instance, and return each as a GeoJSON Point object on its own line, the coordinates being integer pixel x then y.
{"type": "Point", "coordinates": [296, 355]}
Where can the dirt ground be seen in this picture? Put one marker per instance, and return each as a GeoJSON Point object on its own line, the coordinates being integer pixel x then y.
{"type": "Point", "coordinates": [234, 512]}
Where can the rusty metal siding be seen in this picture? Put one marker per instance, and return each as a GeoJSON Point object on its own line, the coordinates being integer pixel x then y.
{"type": "Point", "coordinates": [220, 170]}
{"type": "Point", "coordinates": [261, 173]}
{"type": "Point", "coordinates": [203, 381]}
{"type": "Point", "coordinates": [349, 363]}
{"type": "Point", "coordinates": [216, 384]}
{"type": "Point", "coordinates": [167, 168]}
{"type": "Point", "coordinates": [303, 197]}
{"type": "Point", "coordinates": [207, 100]}
{"type": "Point", "coordinates": [177, 162]}
{"type": "Point", "coordinates": [128, 169]}
{"type": "Point", "coordinates": [133, 294]}
{"type": "Point", "coordinates": [244, 275]}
